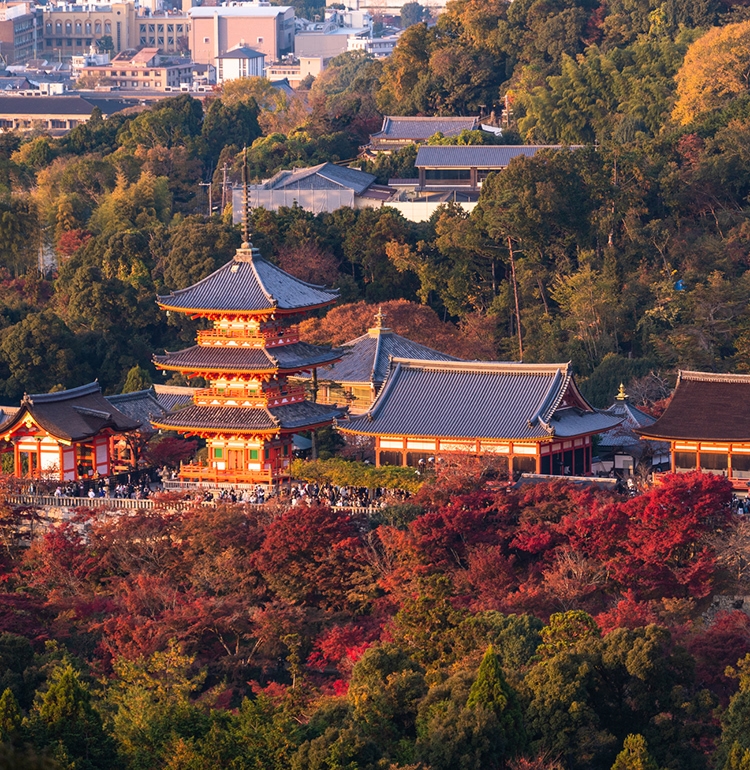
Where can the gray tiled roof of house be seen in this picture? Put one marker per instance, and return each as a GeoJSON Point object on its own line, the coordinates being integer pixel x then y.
{"type": "Point", "coordinates": [467, 400]}
{"type": "Point", "coordinates": [73, 415]}
{"type": "Point", "coordinates": [241, 53]}
{"type": "Point", "coordinates": [349, 178]}
{"type": "Point", "coordinates": [249, 284]}
{"type": "Point", "coordinates": [366, 358]}
{"type": "Point", "coordinates": [475, 155]}
{"type": "Point", "coordinates": [286, 358]}
{"type": "Point", "coordinates": [172, 396]}
{"type": "Point", "coordinates": [421, 129]}
{"type": "Point", "coordinates": [246, 419]}
{"type": "Point", "coordinates": [58, 105]}
{"type": "Point", "coordinates": [141, 406]}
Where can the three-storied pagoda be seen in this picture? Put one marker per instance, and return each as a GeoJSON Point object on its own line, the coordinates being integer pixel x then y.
{"type": "Point", "coordinates": [250, 411]}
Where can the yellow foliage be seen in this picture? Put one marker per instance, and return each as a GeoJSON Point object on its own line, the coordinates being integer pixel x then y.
{"type": "Point", "coordinates": [716, 69]}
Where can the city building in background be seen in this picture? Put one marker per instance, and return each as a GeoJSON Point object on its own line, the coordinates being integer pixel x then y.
{"type": "Point", "coordinates": [20, 32]}
{"type": "Point", "coordinates": [240, 62]}
{"type": "Point", "coordinates": [142, 70]}
{"type": "Point", "coordinates": [215, 30]}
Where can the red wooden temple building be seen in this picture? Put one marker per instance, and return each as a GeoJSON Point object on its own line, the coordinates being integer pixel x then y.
{"type": "Point", "coordinates": [250, 411]}
{"type": "Point", "coordinates": [69, 435]}
{"type": "Point", "coordinates": [707, 424]}
{"type": "Point", "coordinates": [531, 414]}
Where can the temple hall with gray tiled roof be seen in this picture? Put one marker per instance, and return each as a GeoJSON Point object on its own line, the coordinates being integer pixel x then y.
{"type": "Point", "coordinates": [533, 414]}
{"type": "Point", "coordinates": [364, 363]}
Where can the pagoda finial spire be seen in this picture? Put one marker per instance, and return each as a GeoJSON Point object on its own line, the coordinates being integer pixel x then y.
{"type": "Point", "coordinates": [379, 316]}
{"type": "Point", "coordinates": [245, 204]}
{"type": "Point", "coordinates": [621, 394]}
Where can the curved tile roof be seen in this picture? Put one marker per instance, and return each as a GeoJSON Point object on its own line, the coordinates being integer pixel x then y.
{"type": "Point", "coordinates": [469, 400]}
{"type": "Point", "coordinates": [286, 358]}
{"type": "Point", "coordinates": [366, 358]}
{"type": "Point", "coordinates": [72, 415]}
{"type": "Point", "coordinates": [705, 407]}
{"type": "Point", "coordinates": [248, 284]}
{"type": "Point", "coordinates": [250, 420]}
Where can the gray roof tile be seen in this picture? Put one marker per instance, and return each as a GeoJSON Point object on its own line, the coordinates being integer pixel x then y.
{"type": "Point", "coordinates": [366, 359]}
{"type": "Point", "coordinates": [476, 400]}
{"type": "Point", "coordinates": [73, 415]}
{"type": "Point", "coordinates": [140, 406]}
{"type": "Point", "coordinates": [475, 156]}
{"type": "Point", "coordinates": [285, 358]}
{"type": "Point", "coordinates": [248, 284]}
{"type": "Point", "coordinates": [350, 178]}
{"type": "Point", "coordinates": [421, 129]}
{"type": "Point", "coordinates": [246, 419]}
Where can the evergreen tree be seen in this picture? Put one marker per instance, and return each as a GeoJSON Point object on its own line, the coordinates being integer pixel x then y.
{"type": "Point", "coordinates": [138, 378]}
{"type": "Point", "coordinates": [65, 721]}
{"type": "Point", "coordinates": [10, 716]}
{"type": "Point", "coordinates": [634, 755]}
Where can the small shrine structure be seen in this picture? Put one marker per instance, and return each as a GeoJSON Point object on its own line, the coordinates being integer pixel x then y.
{"type": "Point", "coordinates": [532, 414]}
{"type": "Point", "coordinates": [69, 435]}
{"type": "Point", "coordinates": [621, 449]}
{"type": "Point", "coordinates": [359, 375]}
{"type": "Point", "coordinates": [250, 411]}
{"type": "Point", "coordinates": [707, 425]}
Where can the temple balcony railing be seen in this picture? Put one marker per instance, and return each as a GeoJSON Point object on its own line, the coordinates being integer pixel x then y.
{"type": "Point", "coordinates": [246, 398]}
{"type": "Point", "coordinates": [204, 474]}
{"type": "Point", "coordinates": [246, 339]}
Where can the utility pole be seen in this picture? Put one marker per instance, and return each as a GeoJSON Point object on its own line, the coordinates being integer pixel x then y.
{"type": "Point", "coordinates": [224, 188]}
{"type": "Point", "coordinates": [210, 197]}
{"type": "Point", "coordinates": [515, 296]}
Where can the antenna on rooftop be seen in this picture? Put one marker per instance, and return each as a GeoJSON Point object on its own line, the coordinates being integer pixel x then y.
{"type": "Point", "coordinates": [245, 204]}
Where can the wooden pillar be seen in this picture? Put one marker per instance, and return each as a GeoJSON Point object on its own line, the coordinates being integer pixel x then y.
{"type": "Point", "coordinates": [39, 458]}
{"type": "Point", "coordinates": [539, 458]}
{"type": "Point", "coordinates": [16, 460]}
{"type": "Point", "coordinates": [671, 456]}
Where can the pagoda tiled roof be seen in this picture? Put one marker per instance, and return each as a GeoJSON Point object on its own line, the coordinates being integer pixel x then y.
{"type": "Point", "coordinates": [300, 416]}
{"type": "Point", "coordinates": [230, 358]}
{"type": "Point", "coordinates": [248, 284]}
{"type": "Point", "coordinates": [478, 400]}
{"type": "Point", "coordinates": [71, 415]}
{"type": "Point", "coordinates": [623, 435]}
{"type": "Point", "coordinates": [705, 407]}
{"type": "Point", "coordinates": [366, 358]}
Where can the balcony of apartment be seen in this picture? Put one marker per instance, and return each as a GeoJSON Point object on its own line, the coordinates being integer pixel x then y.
{"type": "Point", "coordinates": [268, 338]}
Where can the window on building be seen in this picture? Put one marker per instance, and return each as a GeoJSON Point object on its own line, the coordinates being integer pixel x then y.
{"type": "Point", "coordinates": [49, 44]}
{"type": "Point", "coordinates": [260, 40]}
{"type": "Point", "coordinates": [88, 41]}
{"type": "Point", "coordinates": [685, 461]}
{"type": "Point", "coordinates": [206, 40]}
{"type": "Point", "coordinates": [98, 28]}
{"type": "Point", "coordinates": [58, 42]}
{"type": "Point", "coordinates": [58, 27]}
{"type": "Point", "coordinates": [218, 453]}
{"type": "Point", "coordinates": [79, 28]}
{"type": "Point", "coordinates": [715, 462]}
{"type": "Point", "coordinates": [253, 454]}
{"type": "Point", "coordinates": [107, 28]}
{"type": "Point", "coordinates": [48, 27]}
{"type": "Point", "coordinates": [79, 42]}
{"type": "Point", "coordinates": [68, 28]}
{"type": "Point", "coordinates": [741, 466]}
{"type": "Point", "coordinates": [69, 42]}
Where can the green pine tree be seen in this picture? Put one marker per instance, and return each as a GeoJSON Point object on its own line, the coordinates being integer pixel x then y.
{"type": "Point", "coordinates": [65, 722]}
{"type": "Point", "coordinates": [10, 716]}
{"type": "Point", "coordinates": [491, 691]}
{"type": "Point", "coordinates": [634, 755]}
